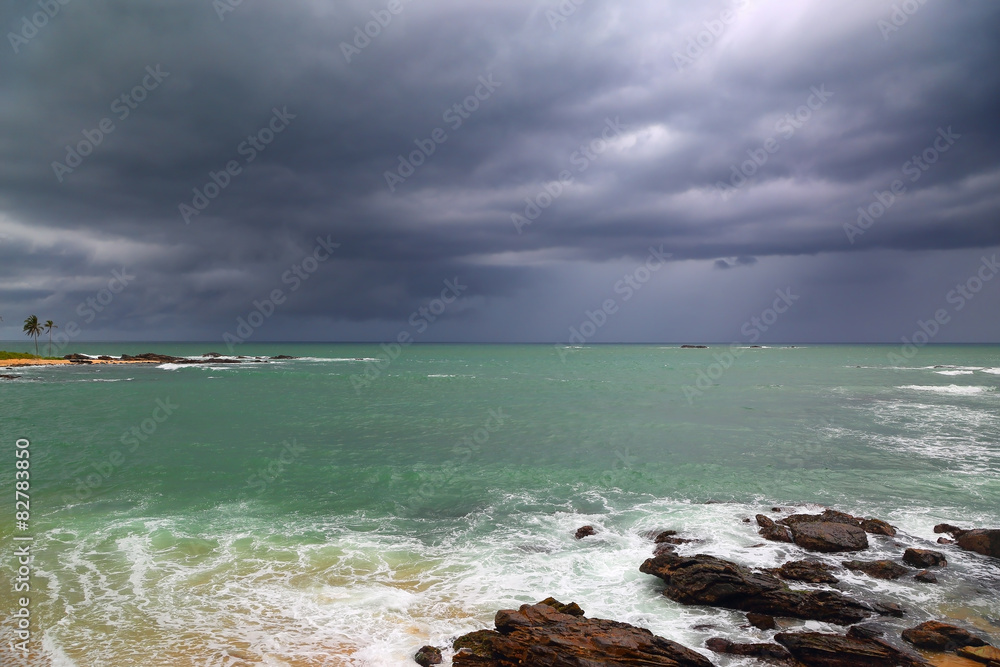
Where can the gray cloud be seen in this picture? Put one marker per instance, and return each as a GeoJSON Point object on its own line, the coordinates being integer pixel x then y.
{"type": "Point", "coordinates": [744, 113]}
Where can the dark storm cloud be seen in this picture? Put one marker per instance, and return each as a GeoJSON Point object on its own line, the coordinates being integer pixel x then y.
{"type": "Point", "coordinates": [752, 134]}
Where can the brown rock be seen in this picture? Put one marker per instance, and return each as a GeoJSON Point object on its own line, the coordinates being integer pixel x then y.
{"type": "Point", "coordinates": [573, 609]}
{"type": "Point", "coordinates": [828, 516]}
{"type": "Point", "coordinates": [763, 651]}
{"type": "Point", "coordinates": [937, 636]}
{"type": "Point", "coordinates": [823, 650]}
{"type": "Point", "coordinates": [541, 636]}
{"type": "Point", "coordinates": [947, 528]}
{"type": "Point", "coordinates": [829, 536]}
{"type": "Point", "coordinates": [945, 540]}
{"type": "Point", "coordinates": [887, 609]}
{"type": "Point", "coordinates": [878, 527]}
{"type": "Point", "coordinates": [864, 632]}
{"type": "Point", "coordinates": [762, 621]}
{"type": "Point", "coordinates": [712, 581]}
{"type": "Point", "coordinates": [427, 656]}
{"type": "Point", "coordinates": [981, 540]}
{"type": "Point", "coordinates": [810, 571]}
{"type": "Point", "coordinates": [925, 576]}
{"type": "Point", "coordinates": [585, 531]}
{"type": "Point", "coordinates": [924, 558]}
{"type": "Point", "coordinates": [770, 530]}
{"type": "Point", "coordinates": [879, 569]}
{"type": "Point", "coordinates": [988, 654]}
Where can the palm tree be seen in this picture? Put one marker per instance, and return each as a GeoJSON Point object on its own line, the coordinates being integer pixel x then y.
{"type": "Point", "coordinates": [49, 326]}
{"type": "Point", "coordinates": [33, 329]}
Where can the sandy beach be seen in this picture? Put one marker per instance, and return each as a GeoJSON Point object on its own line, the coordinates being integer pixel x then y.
{"type": "Point", "coordinates": [12, 363]}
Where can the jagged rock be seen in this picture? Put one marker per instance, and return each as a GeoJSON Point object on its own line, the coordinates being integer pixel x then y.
{"type": "Point", "coordinates": [988, 654]}
{"type": "Point", "coordinates": [541, 636]}
{"type": "Point", "coordinates": [878, 527]}
{"type": "Point", "coordinates": [585, 531]}
{"type": "Point", "coordinates": [284, 356]}
{"type": "Point", "coordinates": [924, 558]}
{"type": "Point", "coordinates": [926, 576]}
{"type": "Point", "coordinates": [879, 569]}
{"type": "Point", "coordinates": [887, 609]}
{"type": "Point", "coordinates": [947, 528]}
{"type": "Point", "coordinates": [937, 636]}
{"type": "Point", "coordinates": [573, 609]}
{"type": "Point", "coordinates": [828, 516]}
{"type": "Point", "coordinates": [829, 536]}
{"type": "Point", "coordinates": [427, 656]}
{"type": "Point", "coordinates": [762, 651]}
{"type": "Point", "coordinates": [762, 621]}
{"type": "Point", "coordinates": [981, 540]}
{"type": "Point", "coordinates": [712, 581]}
{"type": "Point", "coordinates": [945, 540]}
{"type": "Point", "coordinates": [809, 571]}
{"type": "Point", "coordinates": [815, 649]}
{"type": "Point", "coordinates": [773, 531]}
{"type": "Point", "coordinates": [864, 632]}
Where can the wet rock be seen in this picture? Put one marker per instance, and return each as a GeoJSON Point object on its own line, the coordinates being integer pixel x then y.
{"type": "Point", "coordinates": [773, 531]}
{"type": "Point", "coordinates": [762, 621]}
{"type": "Point", "coordinates": [694, 347]}
{"type": "Point", "coordinates": [864, 632]}
{"type": "Point", "coordinates": [982, 541]}
{"type": "Point", "coordinates": [762, 651]}
{"type": "Point", "coordinates": [217, 354]}
{"type": "Point", "coordinates": [924, 558]}
{"type": "Point", "coordinates": [712, 581]}
{"type": "Point", "coordinates": [887, 609]}
{"type": "Point", "coordinates": [9, 377]}
{"type": "Point", "coordinates": [427, 656]}
{"type": "Point", "coordinates": [878, 527]}
{"type": "Point", "coordinates": [824, 650]}
{"type": "Point", "coordinates": [284, 356]}
{"type": "Point", "coordinates": [664, 548]}
{"type": "Point", "coordinates": [926, 576]}
{"type": "Point", "coordinates": [945, 540]}
{"type": "Point", "coordinates": [987, 654]}
{"type": "Point", "coordinates": [879, 569]}
{"type": "Point", "coordinates": [775, 509]}
{"type": "Point", "coordinates": [810, 571]}
{"type": "Point", "coordinates": [585, 531]}
{"type": "Point", "coordinates": [947, 528]}
{"type": "Point", "coordinates": [829, 536]}
{"type": "Point", "coordinates": [573, 609]}
{"type": "Point", "coordinates": [937, 636]}
{"type": "Point", "coordinates": [541, 635]}
{"type": "Point", "coordinates": [828, 516]}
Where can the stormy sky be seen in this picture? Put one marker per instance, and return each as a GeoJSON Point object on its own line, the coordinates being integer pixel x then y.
{"type": "Point", "coordinates": [168, 167]}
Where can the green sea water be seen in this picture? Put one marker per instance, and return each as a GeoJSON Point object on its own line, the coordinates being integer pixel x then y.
{"type": "Point", "coordinates": [346, 508]}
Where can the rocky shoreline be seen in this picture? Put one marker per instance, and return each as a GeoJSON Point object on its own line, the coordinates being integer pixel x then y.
{"type": "Point", "coordinates": [553, 634]}
{"type": "Point", "coordinates": [145, 358]}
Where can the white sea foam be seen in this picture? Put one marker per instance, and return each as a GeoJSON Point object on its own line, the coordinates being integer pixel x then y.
{"type": "Point", "coordinates": [992, 371]}
{"type": "Point", "coordinates": [954, 372]}
{"type": "Point", "coordinates": [965, 390]}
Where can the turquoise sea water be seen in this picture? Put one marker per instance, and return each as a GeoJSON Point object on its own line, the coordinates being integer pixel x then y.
{"type": "Point", "coordinates": [284, 513]}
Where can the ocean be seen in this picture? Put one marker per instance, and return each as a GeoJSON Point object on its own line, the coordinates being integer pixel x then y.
{"type": "Point", "coordinates": [345, 508]}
